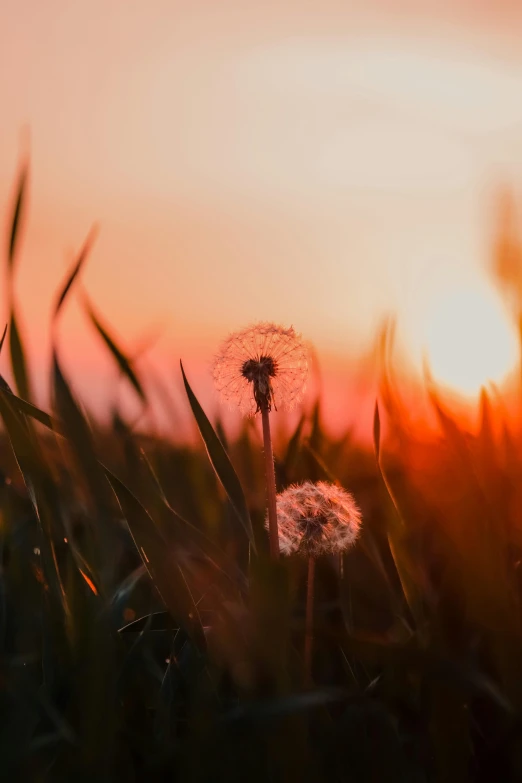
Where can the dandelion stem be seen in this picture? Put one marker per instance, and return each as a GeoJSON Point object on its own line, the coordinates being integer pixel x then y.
{"type": "Point", "coordinates": [270, 485]}
{"type": "Point", "coordinates": [309, 626]}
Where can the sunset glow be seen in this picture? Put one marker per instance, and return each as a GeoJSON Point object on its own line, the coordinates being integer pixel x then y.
{"type": "Point", "coordinates": [261, 390]}
{"type": "Point", "coordinates": [321, 167]}
{"type": "Point", "coordinates": [469, 340]}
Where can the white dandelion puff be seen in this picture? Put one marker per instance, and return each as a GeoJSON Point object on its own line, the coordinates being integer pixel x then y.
{"type": "Point", "coordinates": [316, 519]}
{"type": "Point", "coordinates": [260, 366]}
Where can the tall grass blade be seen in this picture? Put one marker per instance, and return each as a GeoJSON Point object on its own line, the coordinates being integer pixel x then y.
{"type": "Point", "coordinates": [28, 409]}
{"type": "Point", "coordinates": [37, 481]}
{"type": "Point", "coordinates": [160, 560]}
{"type": "Point", "coordinates": [18, 360]}
{"type": "Point", "coordinates": [79, 435]}
{"type": "Point", "coordinates": [75, 271]}
{"type": "Point", "coordinates": [122, 361]}
{"type": "Point", "coordinates": [377, 431]}
{"type": "Point", "coordinates": [220, 462]}
{"type": "Point", "coordinates": [407, 569]}
{"type": "Point", "coordinates": [2, 339]}
{"type": "Point", "coordinates": [17, 216]}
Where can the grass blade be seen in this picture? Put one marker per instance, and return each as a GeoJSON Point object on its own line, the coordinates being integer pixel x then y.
{"type": "Point", "coordinates": [18, 361]}
{"type": "Point", "coordinates": [220, 462]}
{"type": "Point", "coordinates": [377, 431]}
{"type": "Point", "coordinates": [122, 361]}
{"type": "Point", "coordinates": [2, 340]}
{"type": "Point", "coordinates": [160, 562]}
{"type": "Point", "coordinates": [28, 409]}
{"type": "Point", "coordinates": [73, 274]}
{"type": "Point", "coordinates": [407, 570]}
{"type": "Point", "coordinates": [17, 216]}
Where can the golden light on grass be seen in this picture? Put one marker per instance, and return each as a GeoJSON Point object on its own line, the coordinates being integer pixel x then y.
{"type": "Point", "coordinates": [468, 340]}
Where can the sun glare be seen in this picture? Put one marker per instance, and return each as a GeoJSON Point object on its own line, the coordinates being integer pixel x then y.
{"type": "Point", "coordinates": [468, 340]}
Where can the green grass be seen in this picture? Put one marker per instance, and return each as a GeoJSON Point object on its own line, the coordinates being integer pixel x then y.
{"type": "Point", "coordinates": [145, 635]}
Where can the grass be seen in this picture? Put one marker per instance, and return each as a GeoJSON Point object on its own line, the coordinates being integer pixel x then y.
{"type": "Point", "coordinates": [146, 635]}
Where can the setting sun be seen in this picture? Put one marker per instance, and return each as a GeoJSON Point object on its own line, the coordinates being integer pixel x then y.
{"type": "Point", "coordinates": [468, 340]}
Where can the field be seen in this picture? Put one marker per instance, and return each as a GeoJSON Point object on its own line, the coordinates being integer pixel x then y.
{"type": "Point", "coordinates": [147, 635]}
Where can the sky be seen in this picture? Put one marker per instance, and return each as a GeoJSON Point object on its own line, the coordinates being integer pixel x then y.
{"type": "Point", "coordinates": [320, 164]}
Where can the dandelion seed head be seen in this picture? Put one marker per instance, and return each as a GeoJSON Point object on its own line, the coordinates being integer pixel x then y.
{"type": "Point", "coordinates": [316, 519]}
{"type": "Point", "coordinates": [261, 365]}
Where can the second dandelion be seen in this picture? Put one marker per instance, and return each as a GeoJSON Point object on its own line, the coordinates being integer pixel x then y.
{"type": "Point", "coordinates": [260, 367]}
{"type": "Point", "coordinates": [316, 519]}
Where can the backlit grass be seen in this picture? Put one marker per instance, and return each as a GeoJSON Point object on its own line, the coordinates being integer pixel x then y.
{"type": "Point", "coordinates": [147, 635]}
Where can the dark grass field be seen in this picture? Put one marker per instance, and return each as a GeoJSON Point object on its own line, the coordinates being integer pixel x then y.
{"type": "Point", "coordinates": [146, 635]}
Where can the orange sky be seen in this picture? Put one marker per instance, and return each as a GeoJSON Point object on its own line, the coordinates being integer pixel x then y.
{"type": "Point", "coordinates": [317, 164]}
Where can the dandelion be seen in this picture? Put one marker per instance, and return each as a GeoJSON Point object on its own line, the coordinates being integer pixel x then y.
{"type": "Point", "coordinates": [315, 519]}
{"type": "Point", "coordinates": [262, 365]}
{"type": "Point", "coordinates": [259, 367]}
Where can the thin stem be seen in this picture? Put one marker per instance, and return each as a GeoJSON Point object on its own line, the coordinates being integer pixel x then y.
{"type": "Point", "coordinates": [309, 627]}
{"type": "Point", "coordinates": [270, 485]}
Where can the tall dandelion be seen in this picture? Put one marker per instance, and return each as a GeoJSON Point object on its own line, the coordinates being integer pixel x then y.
{"type": "Point", "coordinates": [261, 367]}
{"type": "Point", "coordinates": [315, 519]}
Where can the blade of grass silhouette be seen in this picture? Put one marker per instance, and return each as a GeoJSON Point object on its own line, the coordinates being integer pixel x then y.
{"type": "Point", "coordinates": [34, 473]}
{"type": "Point", "coordinates": [18, 360]}
{"type": "Point", "coordinates": [17, 353]}
{"type": "Point", "coordinates": [28, 409]}
{"type": "Point", "coordinates": [158, 558]}
{"type": "Point", "coordinates": [17, 217]}
{"type": "Point", "coordinates": [76, 427]}
{"type": "Point", "coordinates": [201, 541]}
{"type": "Point", "coordinates": [73, 422]}
{"type": "Point", "coordinates": [121, 359]}
{"type": "Point", "coordinates": [2, 340]}
{"type": "Point", "coordinates": [154, 622]}
{"type": "Point", "coordinates": [75, 271]}
{"type": "Point", "coordinates": [404, 564]}
{"type": "Point", "coordinates": [220, 462]}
